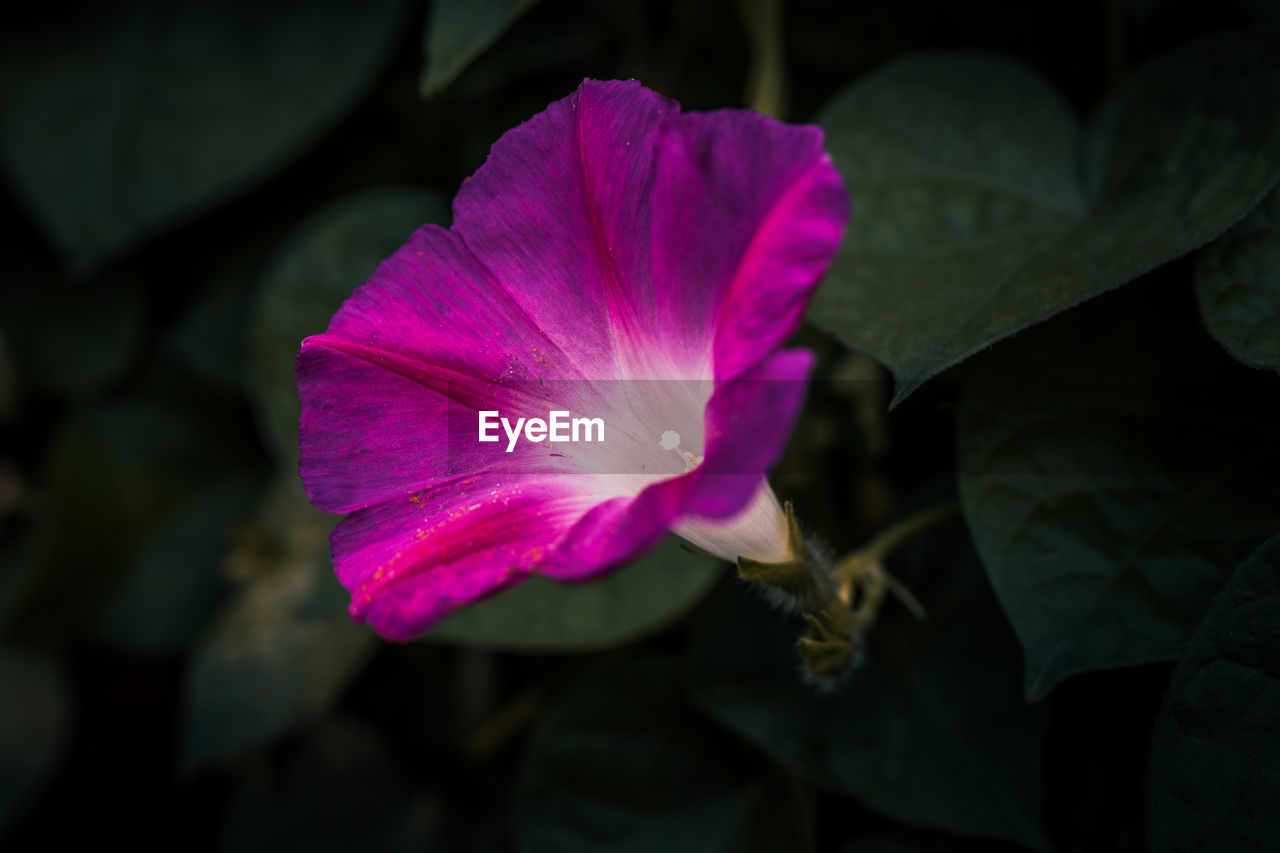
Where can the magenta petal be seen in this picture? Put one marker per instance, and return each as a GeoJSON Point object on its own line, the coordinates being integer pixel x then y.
{"type": "Point", "coordinates": [412, 560]}
{"type": "Point", "coordinates": [609, 237]}
{"type": "Point", "coordinates": [747, 215]}
{"type": "Point", "coordinates": [376, 424]}
{"type": "Point", "coordinates": [559, 214]}
{"type": "Point", "coordinates": [361, 432]}
{"type": "Point", "coordinates": [749, 419]}
{"type": "Point", "coordinates": [376, 389]}
{"type": "Point", "coordinates": [615, 531]}
{"type": "Point", "coordinates": [748, 422]}
{"type": "Point", "coordinates": [435, 303]}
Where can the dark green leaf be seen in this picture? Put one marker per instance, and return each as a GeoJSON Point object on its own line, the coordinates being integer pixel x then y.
{"type": "Point", "coordinates": [931, 731]}
{"type": "Point", "coordinates": [625, 764]}
{"type": "Point", "coordinates": [460, 30]}
{"type": "Point", "coordinates": [1212, 781]}
{"type": "Point", "coordinates": [1238, 286]}
{"type": "Point", "coordinates": [339, 791]}
{"type": "Point", "coordinates": [901, 842]}
{"type": "Point", "coordinates": [327, 257]}
{"type": "Point", "coordinates": [116, 474]}
{"type": "Point", "coordinates": [122, 120]}
{"type": "Point", "coordinates": [17, 571]}
{"type": "Point", "coordinates": [1114, 466]}
{"type": "Point", "coordinates": [972, 219]}
{"type": "Point", "coordinates": [545, 616]}
{"type": "Point", "coordinates": [174, 585]}
{"type": "Point", "coordinates": [8, 384]}
{"type": "Point", "coordinates": [273, 661]}
{"type": "Point", "coordinates": [73, 342]}
{"type": "Point", "coordinates": [35, 728]}
{"type": "Point", "coordinates": [208, 341]}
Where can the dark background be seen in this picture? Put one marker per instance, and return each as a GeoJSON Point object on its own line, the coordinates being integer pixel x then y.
{"type": "Point", "coordinates": [132, 424]}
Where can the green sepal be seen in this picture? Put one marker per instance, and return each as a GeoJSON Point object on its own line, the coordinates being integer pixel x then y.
{"type": "Point", "coordinates": [799, 581]}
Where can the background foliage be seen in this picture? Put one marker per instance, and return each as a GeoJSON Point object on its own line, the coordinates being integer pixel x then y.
{"type": "Point", "coordinates": [1062, 271]}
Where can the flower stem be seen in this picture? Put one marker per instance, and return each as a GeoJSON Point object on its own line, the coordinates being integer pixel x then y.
{"type": "Point", "coordinates": [861, 580]}
{"type": "Point", "coordinates": [887, 541]}
{"type": "Point", "coordinates": [767, 79]}
{"type": "Point", "coordinates": [840, 605]}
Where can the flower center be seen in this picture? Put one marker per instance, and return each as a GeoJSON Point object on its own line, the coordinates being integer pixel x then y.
{"type": "Point", "coordinates": [670, 440]}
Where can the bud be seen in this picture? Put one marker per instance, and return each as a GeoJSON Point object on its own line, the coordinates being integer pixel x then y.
{"type": "Point", "coordinates": [832, 647]}
{"type": "Point", "coordinates": [840, 604]}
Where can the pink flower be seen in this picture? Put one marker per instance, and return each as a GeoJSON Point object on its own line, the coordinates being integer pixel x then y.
{"type": "Point", "coordinates": [608, 240]}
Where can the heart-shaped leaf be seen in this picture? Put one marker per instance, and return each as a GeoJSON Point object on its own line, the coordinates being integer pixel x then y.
{"type": "Point", "coordinates": [625, 763]}
{"type": "Point", "coordinates": [122, 120]}
{"type": "Point", "coordinates": [541, 615]}
{"type": "Point", "coordinates": [1238, 286]}
{"type": "Point", "coordinates": [278, 656]}
{"type": "Point", "coordinates": [931, 731]}
{"type": "Point", "coordinates": [1114, 466]}
{"type": "Point", "coordinates": [979, 207]}
{"type": "Point", "coordinates": [1211, 778]}
{"type": "Point", "coordinates": [458, 31]}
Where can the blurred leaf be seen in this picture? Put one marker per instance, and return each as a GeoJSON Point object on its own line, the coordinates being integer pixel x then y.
{"type": "Point", "coordinates": [544, 616]}
{"type": "Point", "coordinates": [124, 120]}
{"type": "Point", "coordinates": [1238, 286]}
{"type": "Point", "coordinates": [327, 257]}
{"type": "Point", "coordinates": [271, 663]}
{"type": "Point", "coordinates": [73, 342]}
{"type": "Point", "coordinates": [460, 30]}
{"type": "Point", "coordinates": [173, 586]}
{"type": "Point", "coordinates": [1114, 466]}
{"type": "Point", "coordinates": [931, 731]}
{"type": "Point", "coordinates": [970, 219]}
{"type": "Point", "coordinates": [208, 340]}
{"type": "Point", "coordinates": [1212, 782]}
{"type": "Point", "coordinates": [902, 842]}
{"type": "Point", "coordinates": [16, 570]}
{"type": "Point", "coordinates": [625, 764]}
{"type": "Point", "coordinates": [340, 791]}
{"type": "Point", "coordinates": [8, 383]}
{"type": "Point", "coordinates": [1264, 12]}
{"type": "Point", "coordinates": [35, 728]}
{"type": "Point", "coordinates": [116, 472]}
